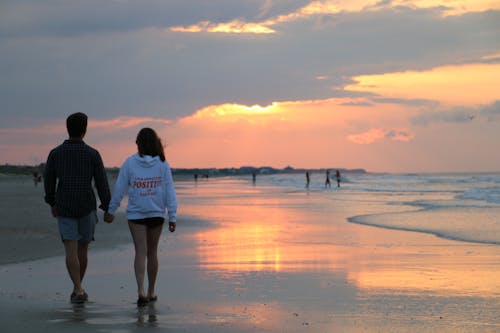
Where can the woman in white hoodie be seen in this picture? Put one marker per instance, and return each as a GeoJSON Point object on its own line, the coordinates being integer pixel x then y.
{"type": "Point", "coordinates": [148, 178]}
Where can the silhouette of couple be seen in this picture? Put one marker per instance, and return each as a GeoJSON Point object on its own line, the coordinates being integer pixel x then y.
{"type": "Point", "coordinates": [72, 166]}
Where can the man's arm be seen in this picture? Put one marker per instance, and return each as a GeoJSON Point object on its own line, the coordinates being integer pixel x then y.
{"type": "Point", "coordinates": [121, 186]}
{"type": "Point", "coordinates": [49, 181]}
{"type": "Point", "coordinates": [101, 183]}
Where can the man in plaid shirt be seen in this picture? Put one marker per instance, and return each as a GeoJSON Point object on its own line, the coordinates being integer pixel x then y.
{"type": "Point", "coordinates": [69, 172]}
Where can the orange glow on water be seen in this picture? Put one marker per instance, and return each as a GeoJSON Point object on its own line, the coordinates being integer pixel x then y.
{"type": "Point", "coordinates": [257, 230]}
{"type": "Point", "coordinates": [442, 279]}
{"type": "Point", "coordinates": [446, 273]}
{"type": "Point", "coordinates": [257, 234]}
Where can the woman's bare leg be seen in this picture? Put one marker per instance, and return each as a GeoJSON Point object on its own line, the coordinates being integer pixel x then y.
{"type": "Point", "coordinates": [153, 238]}
{"type": "Point", "coordinates": [139, 235]}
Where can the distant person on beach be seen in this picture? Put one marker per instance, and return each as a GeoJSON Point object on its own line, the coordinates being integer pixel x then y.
{"type": "Point", "coordinates": [148, 178]}
{"type": "Point", "coordinates": [254, 177]}
{"type": "Point", "coordinates": [337, 176]}
{"type": "Point", "coordinates": [308, 179]}
{"type": "Point", "coordinates": [37, 178]}
{"type": "Point", "coordinates": [69, 172]}
{"type": "Point", "coordinates": [327, 180]}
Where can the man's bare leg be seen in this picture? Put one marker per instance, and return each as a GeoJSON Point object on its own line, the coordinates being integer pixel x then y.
{"type": "Point", "coordinates": [82, 258]}
{"type": "Point", "coordinates": [73, 265]}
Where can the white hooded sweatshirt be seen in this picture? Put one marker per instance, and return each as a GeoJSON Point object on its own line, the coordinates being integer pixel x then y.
{"type": "Point", "coordinates": [150, 188]}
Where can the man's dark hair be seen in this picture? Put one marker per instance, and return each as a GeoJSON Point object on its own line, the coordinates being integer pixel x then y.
{"type": "Point", "coordinates": [77, 124]}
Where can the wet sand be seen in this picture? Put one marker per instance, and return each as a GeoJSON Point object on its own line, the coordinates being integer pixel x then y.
{"type": "Point", "coordinates": [250, 259]}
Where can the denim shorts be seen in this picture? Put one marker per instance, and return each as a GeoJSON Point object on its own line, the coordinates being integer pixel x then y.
{"type": "Point", "coordinates": [78, 228]}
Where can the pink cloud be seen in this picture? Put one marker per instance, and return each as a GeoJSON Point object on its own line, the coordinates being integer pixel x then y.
{"type": "Point", "coordinates": [126, 122]}
{"type": "Point", "coordinates": [114, 138]}
{"type": "Point", "coordinates": [377, 134]}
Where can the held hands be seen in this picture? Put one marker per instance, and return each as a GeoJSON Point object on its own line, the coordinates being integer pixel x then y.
{"type": "Point", "coordinates": [171, 226]}
{"type": "Point", "coordinates": [53, 210]}
{"type": "Point", "coordinates": [108, 218]}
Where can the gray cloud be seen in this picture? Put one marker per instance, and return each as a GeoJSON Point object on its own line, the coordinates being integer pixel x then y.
{"type": "Point", "coordinates": [490, 112]}
{"type": "Point", "coordinates": [367, 104]}
{"type": "Point", "coordinates": [110, 58]}
{"type": "Point", "coordinates": [74, 18]}
{"type": "Point", "coordinates": [411, 102]}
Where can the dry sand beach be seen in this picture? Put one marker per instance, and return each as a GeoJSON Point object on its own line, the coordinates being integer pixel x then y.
{"type": "Point", "coordinates": [249, 259]}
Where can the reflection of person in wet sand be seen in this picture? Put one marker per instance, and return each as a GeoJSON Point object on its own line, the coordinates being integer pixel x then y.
{"type": "Point", "coordinates": [37, 178]}
{"type": "Point", "coordinates": [327, 180]}
{"type": "Point", "coordinates": [337, 175]}
{"type": "Point", "coordinates": [308, 179]}
{"type": "Point", "coordinates": [147, 317]}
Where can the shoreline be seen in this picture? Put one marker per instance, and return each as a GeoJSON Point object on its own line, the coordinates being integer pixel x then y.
{"type": "Point", "coordinates": [356, 220]}
{"type": "Point", "coordinates": [29, 232]}
{"type": "Point", "coordinates": [263, 259]}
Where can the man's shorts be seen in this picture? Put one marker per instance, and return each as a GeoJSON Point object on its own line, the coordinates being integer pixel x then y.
{"type": "Point", "coordinates": [77, 228]}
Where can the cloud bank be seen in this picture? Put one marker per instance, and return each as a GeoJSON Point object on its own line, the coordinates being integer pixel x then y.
{"type": "Point", "coordinates": [222, 79]}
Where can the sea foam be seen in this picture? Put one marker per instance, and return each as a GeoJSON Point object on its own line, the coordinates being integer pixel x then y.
{"type": "Point", "coordinates": [463, 207]}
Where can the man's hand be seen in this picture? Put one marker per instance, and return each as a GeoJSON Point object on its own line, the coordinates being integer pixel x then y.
{"type": "Point", "coordinates": [53, 210]}
{"type": "Point", "coordinates": [108, 218]}
{"type": "Point", "coordinates": [171, 226]}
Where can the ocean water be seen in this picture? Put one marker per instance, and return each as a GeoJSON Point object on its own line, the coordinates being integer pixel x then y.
{"type": "Point", "coordinates": [461, 207]}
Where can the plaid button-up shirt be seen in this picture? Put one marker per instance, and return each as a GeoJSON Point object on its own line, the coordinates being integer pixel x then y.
{"type": "Point", "coordinates": [71, 167]}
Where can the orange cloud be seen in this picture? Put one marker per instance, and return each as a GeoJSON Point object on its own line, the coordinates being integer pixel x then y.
{"type": "Point", "coordinates": [231, 113]}
{"type": "Point", "coordinates": [334, 132]}
{"type": "Point", "coordinates": [494, 56]}
{"type": "Point", "coordinates": [367, 137]}
{"type": "Point", "coordinates": [302, 133]}
{"type": "Point", "coordinates": [470, 84]}
{"type": "Point", "coordinates": [233, 27]}
{"type": "Point", "coordinates": [264, 27]}
{"type": "Point", "coordinates": [332, 7]}
{"type": "Point", "coordinates": [115, 138]}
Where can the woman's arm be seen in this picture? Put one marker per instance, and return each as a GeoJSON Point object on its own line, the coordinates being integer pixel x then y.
{"type": "Point", "coordinates": [121, 186]}
{"type": "Point", "coordinates": [170, 197]}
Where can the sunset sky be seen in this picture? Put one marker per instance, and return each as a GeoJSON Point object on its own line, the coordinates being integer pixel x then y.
{"type": "Point", "coordinates": [388, 86]}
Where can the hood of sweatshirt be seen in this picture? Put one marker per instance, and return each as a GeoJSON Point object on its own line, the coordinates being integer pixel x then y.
{"type": "Point", "coordinates": [146, 161]}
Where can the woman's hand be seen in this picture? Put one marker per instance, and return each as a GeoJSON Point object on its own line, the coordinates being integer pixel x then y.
{"type": "Point", "coordinates": [108, 217]}
{"type": "Point", "coordinates": [53, 210]}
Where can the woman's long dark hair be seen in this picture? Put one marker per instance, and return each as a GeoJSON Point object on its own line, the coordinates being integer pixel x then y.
{"type": "Point", "coordinates": [148, 143]}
